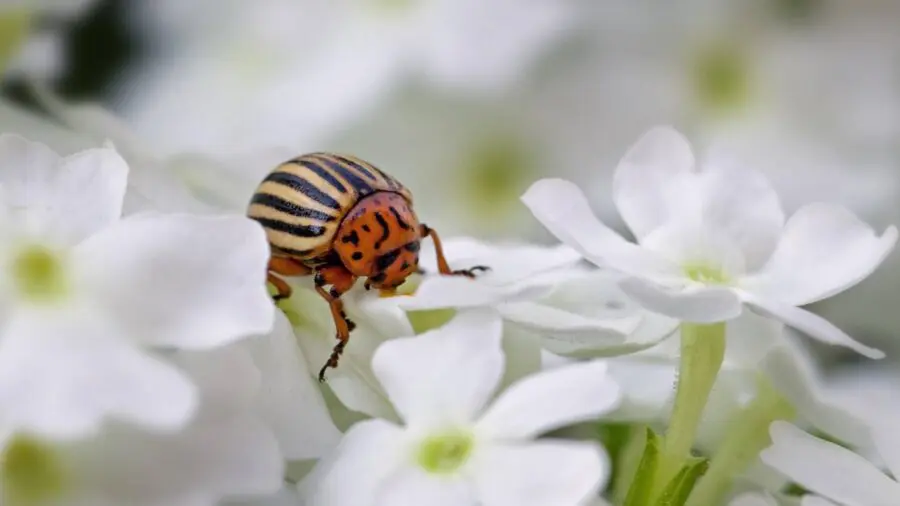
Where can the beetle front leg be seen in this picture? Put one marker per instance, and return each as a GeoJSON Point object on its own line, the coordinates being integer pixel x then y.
{"type": "Point", "coordinates": [341, 281]}
{"type": "Point", "coordinates": [443, 266]}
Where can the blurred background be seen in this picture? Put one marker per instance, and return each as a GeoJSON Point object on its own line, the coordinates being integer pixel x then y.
{"type": "Point", "coordinates": [469, 101]}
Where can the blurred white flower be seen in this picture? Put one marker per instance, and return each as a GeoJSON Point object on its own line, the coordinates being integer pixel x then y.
{"type": "Point", "coordinates": [239, 74]}
{"type": "Point", "coordinates": [85, 293]}
{"type": "Point", "coordinates": [753, 499]}
{"type": "Point", "coordinates": [540, 290]}
{"type": "Point", "coordinates": [836, 474]}
{"type": "Point", "coordinates": [31, 36]}
{"type": "Point", "coordinates": [452, 448]}
{"type": "Point", "coordinates": [225, 451]}
{"type": "Point", "coordinates": [712, 239]}
{"type": "Point", "coordinates": [353, 381]}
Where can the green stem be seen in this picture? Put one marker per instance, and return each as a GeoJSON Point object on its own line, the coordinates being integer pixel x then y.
{"type": "Point", "coordinates": [15, 24]}
{"type": "Point", "coordinates": [702, 353]}
{"type": "Point", "coordinates": [749, 435]}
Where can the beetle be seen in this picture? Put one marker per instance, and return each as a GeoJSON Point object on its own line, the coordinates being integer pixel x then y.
{"type": "Point", "coordinates": [339, 218]}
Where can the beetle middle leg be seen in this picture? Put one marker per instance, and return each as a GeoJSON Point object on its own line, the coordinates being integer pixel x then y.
{"type": "Point", "coordinates": [443, 266]}
{"type": "Point", "coordinates": [288, 267]}
{"type": "Point", "coordinates": [341, 281]}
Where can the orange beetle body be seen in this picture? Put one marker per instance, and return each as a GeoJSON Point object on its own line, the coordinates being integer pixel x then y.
{"type": "Point", "coordinates": [340, 218]}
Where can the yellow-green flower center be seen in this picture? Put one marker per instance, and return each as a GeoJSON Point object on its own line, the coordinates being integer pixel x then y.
{"type": "Point", "coordinates": [392, 5]}
{"type": "Point", "coordinates": [495, 174]}
{"type": "Point", "coordinates": [703, 273]}
{"type": "Point", "coordinates": [445, 453]}
{"type": "Point", "coordinates": [31, 473]}
{"type": "Point", "coordinates": [15, 23]}
{"type": "Point", "coordinates": [39, 274]}
{"type": "Point", "coordinates": [721, 79]}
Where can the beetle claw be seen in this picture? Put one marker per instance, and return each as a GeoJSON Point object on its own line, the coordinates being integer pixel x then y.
{"type": "Point", "coordinates": [470, 272]}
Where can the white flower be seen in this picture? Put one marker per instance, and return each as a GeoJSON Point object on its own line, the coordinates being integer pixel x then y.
{"type": "Point", "coordinates": [353, 381]}
{"type": "Point", "coordinates": [453, 448]}
{"type": "Point", "coordinates": [251, 83]}
{"type": "Point", "coordinates": [712, 239]}
{"type": "Point", "coordinates": [225, 451]}
{"type": "Point", "coordinates": [542, 290]}
{"type": "Point", "coordinates": [838, 475]}
{"type": "Point", "coordinates": [26, 48]}
{"type": "Point", "coordinates": [84, 293]}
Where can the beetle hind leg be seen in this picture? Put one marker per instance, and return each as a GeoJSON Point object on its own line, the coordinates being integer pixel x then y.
{"type": "Point", "coordinates": [286, 267]}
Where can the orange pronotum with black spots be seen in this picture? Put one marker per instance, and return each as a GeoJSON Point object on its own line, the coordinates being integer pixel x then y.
{"type": "Point", "coordinates": [340, 218]}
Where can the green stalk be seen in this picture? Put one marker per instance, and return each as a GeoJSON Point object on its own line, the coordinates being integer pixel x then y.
{"type": "Point", "coordinates": [15, 24]}
{"type": "Point", "coordinates": [702, 353]}
{"type": "Point", "coordinates": [748, 436]}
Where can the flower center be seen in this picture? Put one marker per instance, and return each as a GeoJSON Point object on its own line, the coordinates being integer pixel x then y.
{"type": "Point", "coordinates": [705, 274]}
{"type": "Point", "coordinates": [445, 453]}
{"type": "Point", "coordinates": [39, 274]}
{"type": "Point", "coordinates": [721, 79]}
{"type": "Point", "coordinates": [31, 472]}
{"type": "Point", "coordinates": [392, 5]}
{"type": "Point", "coordinates": [495, 174]}
{"type": "Point", "coordinates": [14, 27]}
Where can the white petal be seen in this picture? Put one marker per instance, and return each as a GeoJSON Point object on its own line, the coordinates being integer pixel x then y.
{"type": "Point", "coordinates": [508, 262]}
{"type": "Point", "coordinates": [216, 457]}
{"type": "Point", "coordinates": [824, 250]}
{"type": "Point", "coordinates": [412, 486]}
{"type": "Point", "coordinates": [698, 304]}
{"type": "Point", "coordinates": [643, 179]}
{"type": "Point", "coordinates": [546, 473]}
{"type": "Point", "coordinates": [791, 372]}
{"type": "Point", "coordinates": [370, 452]}
{"type": "Point", "coordinates": [887, 440]}
{"type": "Point", "coordinates": [445, 375]}
{"type": "Point", "coordinates": [564, 210]}
{"type": "Point", "coordinates": [826, 468]}
{"type": "Point", "coordinates": [286, 496]}
{"type": "Point", "coordinates": [63, 199]}
{"type": "Point", "coordinates": [551, 399]}
{"type": "Point", "coordinates": [444, 291]}
{"type": "Point", "coordinates": [289, 400]}
{"type": "Point", "coordinates": [61, 375]}
{"type": "Point", "coordinates": [810, 324]}
{"type": "Point", "coordinates": [812, 500]}
{"type": "Point", "coordinates": [547, 319]}
{"type": "Point", "coordinates": [753, 499]}
{"type": "Point", "coordinates": [191, 282]}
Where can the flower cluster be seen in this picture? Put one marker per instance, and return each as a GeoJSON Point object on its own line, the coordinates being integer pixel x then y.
{"type": "Point", "coordinates": [143, 361]}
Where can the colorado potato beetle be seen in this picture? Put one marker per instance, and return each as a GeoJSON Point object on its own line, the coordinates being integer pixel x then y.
{"type": "Point", "coordinates": [340, 218]}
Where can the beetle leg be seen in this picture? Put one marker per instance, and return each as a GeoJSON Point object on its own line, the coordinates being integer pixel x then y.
{"type": "Point", "coordinates": [341, 280]}
{"type": "Point", "coordinates": [288, 267]}
{"type": "Point", "coordinates": [443, 266]}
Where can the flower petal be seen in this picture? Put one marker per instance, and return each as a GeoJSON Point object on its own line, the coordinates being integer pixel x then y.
{"type": "Point", "coordinates": [887, 441]}
{"type": "Point", "coordinates": [826, 468]}
{"type": "Point", "coordinates": [446, 292]}
{"type": "Point", "coordinates": [64, 199]}
{"type": "Point", "coordinates": [62, 375]}
{"type": "Point", "coordinates": [546, 473]}
{"type": "Point", "coordinates": [813, 500]}
{"type": "Point", "coordinates": [509, 262]}
{"type": "Point", "coordinates": [412, 486]}
{"type": "Point", "coordinates": [824, 250]}
{"type": "Point", "coordinates": [810, 324]}
{"type": "Point", "coordinates": [288, 400]}
{"type": "Point", "coordinates": [790, 371]}
{"type": "Point", "coordinates": [698, 304]}
{"type": "Point", "coordinates": [563, 209]}
{"type": "Point", "coordinates": [551, 399]}
{"type": "Point", "coordinates": [370, 452]}
{"type": "Point", "coordinates": [643, 180]}
{"type": "Point", "coordinates": [753, 499]}
{"type": "Point", "coordinates": [191, 282]}
{"type": "Point", "coordinates": [445, 375]}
